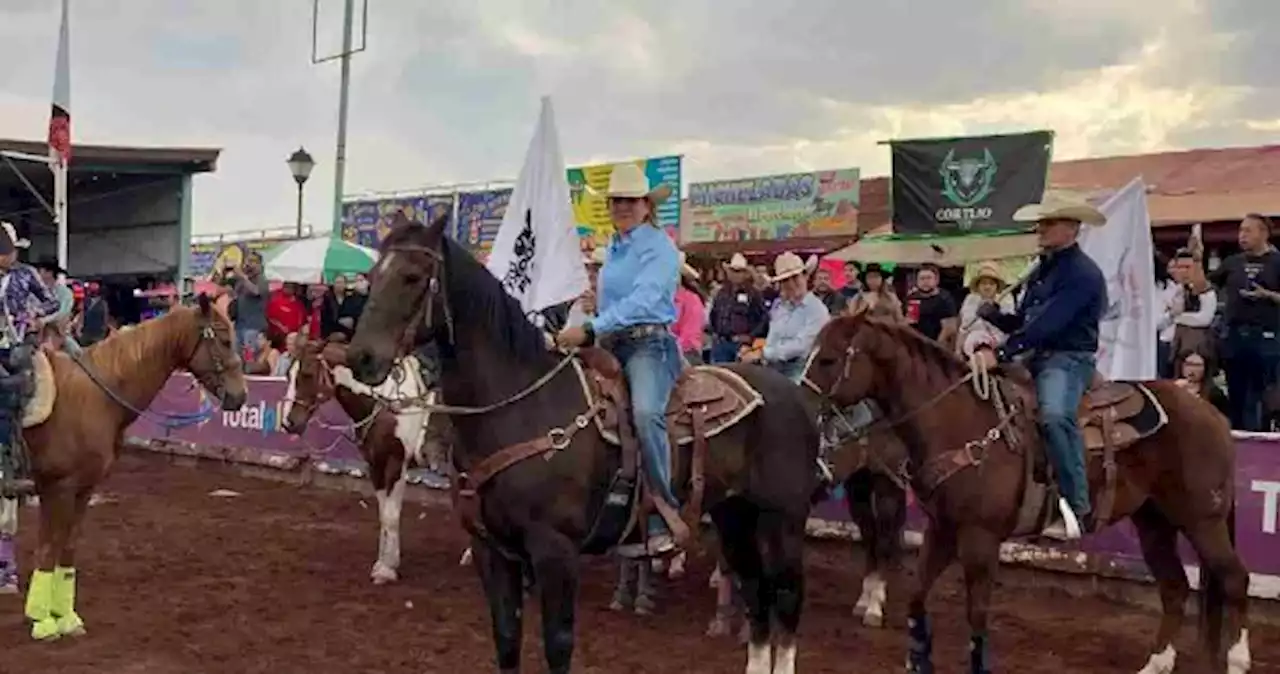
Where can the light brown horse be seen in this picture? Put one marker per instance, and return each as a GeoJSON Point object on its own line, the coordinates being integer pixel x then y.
{"type": "Point", "coordinates": [76, 446]}
{"type": "Point", "coordinates": [967, 465]}
{"type": "Point", "coordinates": [390, 442]}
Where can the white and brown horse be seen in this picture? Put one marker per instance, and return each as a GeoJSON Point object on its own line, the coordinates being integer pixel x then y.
{"type": "Point", "coordinates": [391, 442]}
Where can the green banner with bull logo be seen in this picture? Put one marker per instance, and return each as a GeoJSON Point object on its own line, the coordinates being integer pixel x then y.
{"type": "Point", "coordinates": [960, 185]}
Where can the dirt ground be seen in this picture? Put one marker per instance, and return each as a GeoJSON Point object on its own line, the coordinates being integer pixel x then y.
{"type": "Point", "coordinates": [175, 580]}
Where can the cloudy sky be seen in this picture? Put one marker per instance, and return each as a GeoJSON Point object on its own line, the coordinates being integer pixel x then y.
{"type": "Point", "coordinates": [448, 90]}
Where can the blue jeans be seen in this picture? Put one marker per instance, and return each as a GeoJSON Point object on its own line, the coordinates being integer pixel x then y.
{"type": "Point", "coordinates": [1061, 380]}
{"type": "Point", "coordinates": [793, 369]}
{"type": "Point", "coordinates": [247, 337]}
{"type": "Point", "coordinates": [652, 365]}
{"type": "Point", "coordinates": [1250, 360]}
{"type": "Point", "coordinates": [724, 351]}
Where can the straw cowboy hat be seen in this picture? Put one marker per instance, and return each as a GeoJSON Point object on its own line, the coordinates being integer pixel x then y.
{"type": "Point", "coordinates": [989, 270]}
{"type": "Point", "coordinates": [786, 266]}
{"type": "Point", "coordinates": [811, 264]}
{"type": "Point", "coordinates": [17, 241]}
{"type": "Point", "coordinates": [738, 262]}
{"type": "Point", "coordinates": [1060, 207]}
{"type": "Point", "coordinates": [686, 269]}
{"type": "Point", "coordinates": [628, 181]}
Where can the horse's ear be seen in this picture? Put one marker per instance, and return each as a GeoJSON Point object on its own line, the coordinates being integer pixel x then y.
{"type": "Point", "coordinates": [437, 226]}
{"type": "Point", "coordinates": [205, 304]}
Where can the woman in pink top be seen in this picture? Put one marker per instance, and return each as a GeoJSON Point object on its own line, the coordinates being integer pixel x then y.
{"type": "Point", "coordinates": [691, 314]}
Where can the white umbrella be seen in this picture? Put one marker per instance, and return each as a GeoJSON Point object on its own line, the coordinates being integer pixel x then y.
{"type": "Point", "coordinates": [316, 260]}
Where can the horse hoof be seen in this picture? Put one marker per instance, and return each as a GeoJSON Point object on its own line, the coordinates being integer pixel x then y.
{"type": "Point", "coordinates": [873, 619]}
{"type": "Point", "coordinates": [71, 626]}
{"type": "Point", "coordinates": [383, 574]}
{"type": "Point", "coordinates": [618, 605]}
{"type": "Point", "coordinates": [45, 630]}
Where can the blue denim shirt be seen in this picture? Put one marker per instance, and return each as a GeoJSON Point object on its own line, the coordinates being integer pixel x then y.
{"type": "Point", "coordinates": [1064, 301]}
{"type": "Point", "coordinates": [793, 327]}
{"type": "Point", "coordinates": [637, 284]}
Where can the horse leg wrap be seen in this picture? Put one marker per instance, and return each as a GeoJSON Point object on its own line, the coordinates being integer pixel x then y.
{"type": "Point", "coordinates": [40, 604]}
{"type": "Point", "coordinates": [64, 602]}
{"type": "Point", "coordinates": [920, 648]}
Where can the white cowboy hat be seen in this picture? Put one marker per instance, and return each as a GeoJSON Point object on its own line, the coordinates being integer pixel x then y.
{"type": "Point", "coordinates": [686, 269]}
{"type": "Point", "coordinates": [811, 264]}
{"type": "Point", "coordinates": [739, 262]}
{"type": "Point", "coordinates": [628, 181]}
{"type": "Point", "coordinates": [786, 266]}
{"type": "Point", "coordinates": [596, 258]}
{"type": "Point", "coordinates": [18, 242]}
{"type": "Point", "coordinates": [1058, 207]}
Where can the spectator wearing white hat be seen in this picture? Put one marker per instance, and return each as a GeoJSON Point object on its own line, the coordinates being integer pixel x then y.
{"type": "Point", "coordinates": [795, 320]}
{"type": "Point", "coordinates": [583, 309]}
{"type": "Point", "coordinates": [739, 314]}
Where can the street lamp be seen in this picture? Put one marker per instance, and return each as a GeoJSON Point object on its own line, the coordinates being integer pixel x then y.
{"type": "Point", "coordinates": [300, 164]}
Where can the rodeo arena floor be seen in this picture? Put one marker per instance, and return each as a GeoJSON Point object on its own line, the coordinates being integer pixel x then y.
{"type": "Point", "coordinates": [203, 554]}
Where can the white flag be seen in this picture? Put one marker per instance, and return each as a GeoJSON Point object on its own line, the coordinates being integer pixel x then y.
{"type": "Point", "coordinates": [536, 253]}
{"type": "Point", "coordinates": [1123, 250]}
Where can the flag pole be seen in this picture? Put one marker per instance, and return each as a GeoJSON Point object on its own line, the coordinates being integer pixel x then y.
{"type": "Point", "coordinates": [60, 133]}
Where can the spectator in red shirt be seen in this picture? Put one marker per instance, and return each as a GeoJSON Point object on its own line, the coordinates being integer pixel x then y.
{"type": "Point", "coordinates": [285, 313]}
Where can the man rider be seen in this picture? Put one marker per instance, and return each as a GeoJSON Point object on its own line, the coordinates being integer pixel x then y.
{"type": "Point", "coordinates": [1056, 323]}
{"type": "Point", "coordinates": [24, 302]}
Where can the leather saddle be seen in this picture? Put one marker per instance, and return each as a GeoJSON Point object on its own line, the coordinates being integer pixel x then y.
{"type": "Point", "coordinates": [719, 396]}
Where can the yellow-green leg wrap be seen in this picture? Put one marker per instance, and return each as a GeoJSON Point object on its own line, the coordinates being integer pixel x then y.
{"type": "Point", "coordinates": [64, 602]}
{"type": "Point", "coordinates": [40, 606]}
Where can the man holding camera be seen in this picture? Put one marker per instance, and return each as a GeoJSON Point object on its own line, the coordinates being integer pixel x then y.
{"type": "Point", "coordinates": [251, 292]}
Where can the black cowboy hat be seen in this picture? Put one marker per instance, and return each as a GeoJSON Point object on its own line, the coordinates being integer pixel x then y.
{"type": "Point", "coordinates": [49, 265]}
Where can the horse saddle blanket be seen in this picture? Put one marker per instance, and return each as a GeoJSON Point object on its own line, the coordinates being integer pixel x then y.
{"type": "Point", "coordinates": [1114, 415]}
{"type": "Point", "coordinates": [39, 407]}
{"type": "Point", "coordinates": [719, 396]}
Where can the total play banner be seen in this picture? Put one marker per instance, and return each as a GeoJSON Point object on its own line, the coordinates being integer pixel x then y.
{"type": "Point", "coordinates": [367, 221]}
{"type": "Point", "coordinates": [773, 208]}
{"type": "Point", "coordinates": [591, 209]}
{"type": "Point", "coordinates": [967, 184]}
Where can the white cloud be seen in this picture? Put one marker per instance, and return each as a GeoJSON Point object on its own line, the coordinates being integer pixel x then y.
{"type": "Point", "coordinates": [447, 92]}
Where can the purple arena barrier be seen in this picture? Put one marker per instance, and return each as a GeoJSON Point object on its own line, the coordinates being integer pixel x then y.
{"type": "Point", "coordinates": [253, 434]}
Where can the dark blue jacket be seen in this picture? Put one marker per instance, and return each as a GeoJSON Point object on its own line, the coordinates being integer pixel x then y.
{"type": "Point", "coordinates": [1063, 303]}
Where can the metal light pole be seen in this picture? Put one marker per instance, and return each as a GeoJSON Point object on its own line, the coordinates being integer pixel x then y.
{"type": "Point", "coordinates": [300, 165]}
{"type": "Point", "coordinates": [340, 158]}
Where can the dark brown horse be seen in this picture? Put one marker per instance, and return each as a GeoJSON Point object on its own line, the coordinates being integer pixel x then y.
{"type": "Point", "coordinates": [870, 467]}
{"type": "Point", "coordinates": [73, 449]}
{"type": "Point", "coordinates": [535, 462]}
{"type": "Point", "coordinates": [390, 441]}
{"type": "Point", "coordinates": [969, 466]}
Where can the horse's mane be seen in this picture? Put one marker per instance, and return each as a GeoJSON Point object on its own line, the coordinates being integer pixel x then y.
{"type": "Point", "coordinates": [475, 296]}
{"type": "Point", "coordinates": [929, 360]}
{"type": "Point", "coordinates": [120, 355]}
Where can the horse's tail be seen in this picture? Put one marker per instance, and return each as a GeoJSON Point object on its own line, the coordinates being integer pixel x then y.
{"type": "Point", "coordinates": [1213, 594]}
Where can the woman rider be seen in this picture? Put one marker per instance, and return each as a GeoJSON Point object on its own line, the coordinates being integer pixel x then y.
{"type": "Point", "coordinates": [635, 308]}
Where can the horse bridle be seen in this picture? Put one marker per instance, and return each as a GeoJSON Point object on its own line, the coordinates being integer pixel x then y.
{"type": "Point", "coordinates": [425, 314]}
{"type": "Point", "coordinates": [209, 337]}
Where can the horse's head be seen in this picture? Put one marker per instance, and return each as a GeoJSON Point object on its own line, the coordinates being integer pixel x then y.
{"type": "Point", "coordinates": [407, 299]}
{"type": "Point", "coordinates": [841, 367]}
{"type": "Point", "coordinates": [214, 361]}
{"type": "Point", "coordinates": [310, 383]}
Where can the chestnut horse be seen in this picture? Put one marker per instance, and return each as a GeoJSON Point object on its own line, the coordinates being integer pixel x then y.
{"type": "Point", "coordinates": [968, 469]}
{"type": "Point", "coordinates": [390, 442]}
{"type": "Point", "coordinates": [74, 448]}
{"type": "Point", "coordinates": [530, 403]}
